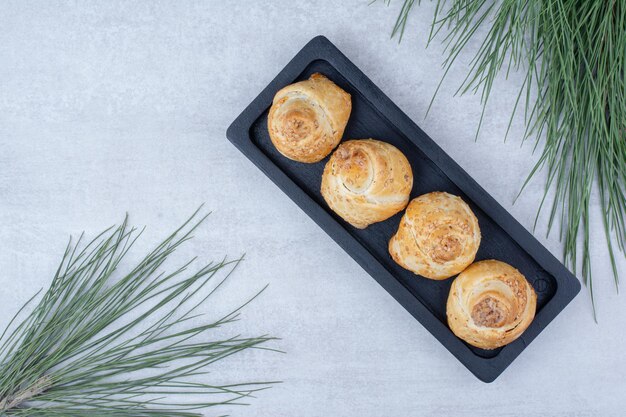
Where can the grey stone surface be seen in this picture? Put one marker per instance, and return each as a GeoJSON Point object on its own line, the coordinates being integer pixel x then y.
{"type": "Point", "coordinates": [113, 106]}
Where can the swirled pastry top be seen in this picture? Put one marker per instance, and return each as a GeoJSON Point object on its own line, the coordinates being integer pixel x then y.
{"type": "Point", "coordinates": [367, 181]}
{"type": "Point", "coordinates": [307, 119]}
{"type": "Point", "coordinates": [490, 304]}
{"type": "Point", "coordinates": [438, 236]}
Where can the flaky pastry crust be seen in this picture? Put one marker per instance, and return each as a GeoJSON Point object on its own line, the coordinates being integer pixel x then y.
{"type": "Point", "coordinates": [438, 236]}
{"type": "Point", "coordinates": [490, 304]}
{"type": "Point", "coordinates": [307, 119]}
{"type": "Point", "coordinates": [367, 181]}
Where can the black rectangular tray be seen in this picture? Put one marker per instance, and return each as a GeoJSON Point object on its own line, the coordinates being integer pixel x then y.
{"type": "Point", "coordinates": [375, 115]}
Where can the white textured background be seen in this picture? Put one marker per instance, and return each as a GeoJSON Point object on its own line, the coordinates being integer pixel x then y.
{"type": "Point", "coordinates": [112, 107]}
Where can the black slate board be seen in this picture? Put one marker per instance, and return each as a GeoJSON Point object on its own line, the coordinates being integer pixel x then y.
{"type": "Point", "coordinates": [374, 115]}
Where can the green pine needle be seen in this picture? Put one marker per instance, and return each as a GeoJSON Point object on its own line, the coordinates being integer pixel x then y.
{"type": "Point", "coordinates": [103, 342]}
{"type": "Point", "coordinates": [574, 56]}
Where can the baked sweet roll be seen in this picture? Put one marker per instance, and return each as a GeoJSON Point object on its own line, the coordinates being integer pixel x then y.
{"type": "Point", "coordinates": [490, 304]}
{"type": "Point", "coordinates": [307, 119]}
{"type": "Point", "coordinates": [438, 236]}
{"type": "Point", "coordinates": [367, 181]}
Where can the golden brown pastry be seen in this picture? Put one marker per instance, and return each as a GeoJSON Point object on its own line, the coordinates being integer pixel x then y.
{"type": "Point", "coordinates": [307, 119]}
{"type": "Point", "coordinates": [367, 181]}
{"type": "Point", "coordinates": [490, 304]}
{"type": "Point", "coordinates": [438, 236]}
